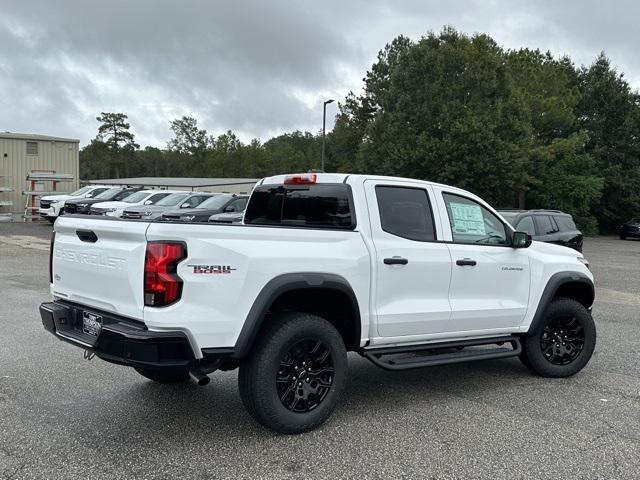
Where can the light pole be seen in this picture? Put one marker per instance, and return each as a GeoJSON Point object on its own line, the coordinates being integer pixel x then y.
{"type": "Point", "coordinates": [324, 121]}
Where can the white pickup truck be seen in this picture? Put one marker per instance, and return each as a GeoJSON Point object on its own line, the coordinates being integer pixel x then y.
{"type": "Point", "coordinates": [404, 272]}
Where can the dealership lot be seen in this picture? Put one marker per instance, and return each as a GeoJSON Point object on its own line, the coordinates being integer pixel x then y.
{"type": "Point", "coordinates": [65, 417]}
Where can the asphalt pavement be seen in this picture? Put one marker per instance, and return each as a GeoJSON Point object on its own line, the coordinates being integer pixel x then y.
{"type": "Point", "coordinates": [65, 417]}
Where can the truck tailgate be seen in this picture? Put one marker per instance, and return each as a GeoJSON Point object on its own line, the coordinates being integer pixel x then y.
{"type": "Point", "coordinates": [100, 263]}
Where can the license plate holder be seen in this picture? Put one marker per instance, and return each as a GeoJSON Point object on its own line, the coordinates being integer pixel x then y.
{"type": "Point", "coordinates": [91, 323]}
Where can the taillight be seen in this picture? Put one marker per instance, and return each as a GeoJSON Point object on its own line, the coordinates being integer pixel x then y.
{"type": "Point", "coordinates": [53, 239]}
{"type": "Point", "coordinates": [162, 285]}
{"type": "Point", "coordinates": [301, 179]}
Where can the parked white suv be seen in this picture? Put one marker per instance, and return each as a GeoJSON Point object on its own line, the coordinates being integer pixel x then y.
{"type": "Point", "coordinates": [143, 197]}
{"type": "Point", "coordinates": [404, 272]}
{"type": "Point", "coordinates": [51, 206]}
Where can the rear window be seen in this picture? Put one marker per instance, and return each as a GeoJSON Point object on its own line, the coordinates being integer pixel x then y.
{"type": "Point", "coordinates": [318, 206]}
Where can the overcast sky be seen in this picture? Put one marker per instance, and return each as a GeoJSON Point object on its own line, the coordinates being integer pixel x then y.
{"type": "Point", "coordinates": [258, 67]}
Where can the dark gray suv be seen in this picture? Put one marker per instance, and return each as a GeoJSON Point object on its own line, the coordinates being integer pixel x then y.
{"type": "Point", "coordinates": [551, 226]}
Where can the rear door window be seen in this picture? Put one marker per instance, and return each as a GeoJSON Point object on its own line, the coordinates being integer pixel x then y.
{"type": "Point", "coordinates": [546, 225]}
{"type": "Point", "coordinates": [317, 206]}
{"type": "Point", "coordinates": [405, 212]}
{"type": "Point", "coordinates": [565, 223]}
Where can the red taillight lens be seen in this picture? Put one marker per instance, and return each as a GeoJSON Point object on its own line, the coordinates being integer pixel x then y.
{"type": "Point", "coordinates": [53, 239]}
{"type": "Point", "coordinates": [162, 285]}
{"type": "Point", "coordinates": [301, 179]}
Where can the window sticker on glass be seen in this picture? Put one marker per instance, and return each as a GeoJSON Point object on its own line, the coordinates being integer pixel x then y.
{"type": "Point", "coordinates": [467, 219]}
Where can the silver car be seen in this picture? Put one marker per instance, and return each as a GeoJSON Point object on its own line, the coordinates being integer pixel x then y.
{"type": "Point", "coordinates": [170, 202]}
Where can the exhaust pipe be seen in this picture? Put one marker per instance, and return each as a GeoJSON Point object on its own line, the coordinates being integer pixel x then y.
{"type": "Point", "coordinates": [199, 376]}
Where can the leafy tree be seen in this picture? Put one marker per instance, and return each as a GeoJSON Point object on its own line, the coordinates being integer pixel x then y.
{"type": "Point", "coordinates": [610, 112]}
{"type": "Point", "coordinates": [443, 109]}
{"type": "Point", "coordinates": [556, 170]}
{"type": "Point", "coordinates": [190, 143]}
{"type": "Point", "coordinates": [115, 134]}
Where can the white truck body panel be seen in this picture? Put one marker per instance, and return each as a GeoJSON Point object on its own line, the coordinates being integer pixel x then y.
{"type": "Point", "coordinates": [429, 299]}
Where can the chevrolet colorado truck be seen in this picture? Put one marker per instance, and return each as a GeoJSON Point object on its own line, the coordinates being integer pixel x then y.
{"type": "Point", "coordinates": [406, 273]}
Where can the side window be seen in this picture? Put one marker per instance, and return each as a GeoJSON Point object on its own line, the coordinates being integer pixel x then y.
{"type": "Point", "coordinates": [546, 225]}
{"type": "Point", "coordinates": [565, 223]}
{"type": "Point", "coordinates": [96, 192]}
{"type": "Point", "coordinates": [157, 197]}
{"type": "Point", "coordinates": [195, 201]}
{"type": "Point", "coordinates": [472, 223]}
{"type": "Point", "coordinates": [191, 202]}
{"type": "Point", "coordinates": [406, 212]}
{"type": "Point", "coordinates": [526, 225]}
{"type": "Point", "coordinates": [239, 204]}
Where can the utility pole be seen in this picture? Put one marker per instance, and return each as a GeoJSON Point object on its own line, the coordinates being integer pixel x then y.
{"type": "Point", "coordinates": [324, 121]}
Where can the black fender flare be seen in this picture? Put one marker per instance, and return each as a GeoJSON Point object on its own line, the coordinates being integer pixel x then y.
{"type": "Point", "coordinates": [282, 284]}
{"type": "Point", "coordinates": [550, 290]}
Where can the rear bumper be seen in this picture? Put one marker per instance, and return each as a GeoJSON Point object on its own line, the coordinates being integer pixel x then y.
{"type": "Point", "coordinates": [121, 340]}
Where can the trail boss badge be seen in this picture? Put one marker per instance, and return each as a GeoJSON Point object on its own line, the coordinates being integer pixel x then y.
{"type": "Point", "coordinates": [212, 269]}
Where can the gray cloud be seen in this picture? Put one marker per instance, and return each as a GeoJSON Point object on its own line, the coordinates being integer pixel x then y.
{"type": "Point", "coordinates": [258, 68]}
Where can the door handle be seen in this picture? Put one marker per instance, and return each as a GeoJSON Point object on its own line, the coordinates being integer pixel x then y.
{"type": "Point", "coordinates": [87, 236]}
{"type": "Point", "coordinates": [466, 262]}
{"type": "Point", "coordinates": [395, 261]}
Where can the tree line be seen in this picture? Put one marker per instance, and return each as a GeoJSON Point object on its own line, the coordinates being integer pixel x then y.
{"type": "Point", "coordinates": [521, 128]}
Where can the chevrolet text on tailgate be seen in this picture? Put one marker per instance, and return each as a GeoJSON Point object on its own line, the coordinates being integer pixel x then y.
{"type": "Point", "coordinates": [404, 272]}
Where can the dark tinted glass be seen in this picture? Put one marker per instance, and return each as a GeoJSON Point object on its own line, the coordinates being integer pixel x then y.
{"type": "Point", "coordinates": [321, 205]}
{"type": "Point", "coordinates": [239, 205]}
{"type": "Point", "coordinates": [405, 212]}
{"type": "Point", "coordinates": [525, 224]}
{"type": "Point", "coordinates": [157, 197]}
{"type": "Point", "coordinates": [546, 225]}
{"type": "Point", "coordinates": [123, 194]}
{"type": "Point", "coordinates": [565, 223]}
{"type": "Point", "coordinates": [94, 193]}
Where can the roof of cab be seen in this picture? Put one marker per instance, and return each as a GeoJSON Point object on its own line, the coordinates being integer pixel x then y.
{"type": "Point", "coordinates": [344, 177]}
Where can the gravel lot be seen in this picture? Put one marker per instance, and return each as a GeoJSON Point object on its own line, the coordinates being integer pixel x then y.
{"type": "Point", "coordinates": [65, 417]}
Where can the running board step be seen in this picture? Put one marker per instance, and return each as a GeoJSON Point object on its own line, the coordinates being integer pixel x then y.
{"type": "Point", "coordinates": [433, 354]}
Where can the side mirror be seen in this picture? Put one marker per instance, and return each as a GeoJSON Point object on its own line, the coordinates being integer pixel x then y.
{"type": "Point", "coordinates": [230, 209]}
{"type": "Point", "coordinates": [148, 202]}
{"type": "Point", "coordinates": [185, 205]}
{"type": "Point", "coordinates": [520, 240]}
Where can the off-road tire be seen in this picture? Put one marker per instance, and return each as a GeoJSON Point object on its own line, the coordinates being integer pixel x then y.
{"type": "Point", "coordinates": [532, 355]}
{"type": "Point", "coordinates": [257, 378]}
{"type": "Point", "coordinates": [164, 375]}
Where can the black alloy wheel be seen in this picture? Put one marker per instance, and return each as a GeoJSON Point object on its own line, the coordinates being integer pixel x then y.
{"type": "Point", "coordinates": [295, 374]}
{"type": "Point", "coordinates": [305, 376]}
{"type": "Point", "coordinates": [564, 343]}
{"type": "Point", "coordinates": [562, 340]}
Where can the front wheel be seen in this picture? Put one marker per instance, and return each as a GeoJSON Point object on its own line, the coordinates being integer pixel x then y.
{"type": "Point", "coordinates": [295, 375]}
{"type": "Point", "coordinates": [564, 344]}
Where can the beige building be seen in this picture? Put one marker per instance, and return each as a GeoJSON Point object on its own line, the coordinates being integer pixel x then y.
{"type": "Point", "coordinates": [21, 153]}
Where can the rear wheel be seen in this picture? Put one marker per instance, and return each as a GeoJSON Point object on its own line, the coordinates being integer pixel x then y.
{"type": "Point", "coordinates": [564, 344]}
{"type": "Point", "coordinates": [295, 375]}
{"type": "Point", "coordinates": [164, 375]}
